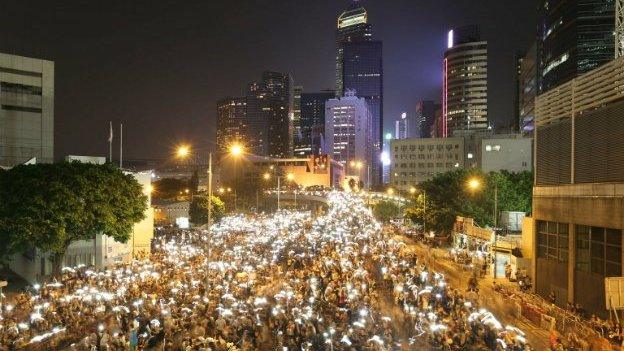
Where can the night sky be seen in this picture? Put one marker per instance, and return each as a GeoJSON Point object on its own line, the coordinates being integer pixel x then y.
{"type": "Point", "coordinates": [160, 66]}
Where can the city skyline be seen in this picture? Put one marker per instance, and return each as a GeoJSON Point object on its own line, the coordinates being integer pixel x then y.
{"type": "Point", "coordinates": [172, 80]}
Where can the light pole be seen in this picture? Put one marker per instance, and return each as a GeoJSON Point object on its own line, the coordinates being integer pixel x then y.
{"type": "Point", "coordinates": [475, 184]}
{"type": "Point", "coordinates": [183, 152]}
{"type": "Point", "coordinates": [289, 177]}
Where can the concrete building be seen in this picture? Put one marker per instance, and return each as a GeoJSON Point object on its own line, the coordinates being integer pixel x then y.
{"type": "Point", "coordinates": [313, 122]}
{"type": "Point", "coordinates": [348, 131]}
{"type": "Point", "coordinates": [512, 153]}
{"type": "Point", "coordinates": [297, 137]}
{"type": "Point", "coordinates": [416, 160]}
{"type": "Point", "coordinates": [578, 197]}
{"type": "Point", "coordinates": [26, 110]}
{"type": "Point", "coordinates": [103, 251]}
{"type": "Point", "coordinates": [315, 170]}
{"type": "Point", "coordinates": [465, 89]}
{"type": "Point", "coordinates": [167, 212]}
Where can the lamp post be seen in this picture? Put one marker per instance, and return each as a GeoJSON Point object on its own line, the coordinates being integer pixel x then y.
{"type": "Point", "coordinates": [474, 184]}
{"type": "Point", "coordinates": [289, 177]}
{"type": "Point", "coordinates": [183, 152]}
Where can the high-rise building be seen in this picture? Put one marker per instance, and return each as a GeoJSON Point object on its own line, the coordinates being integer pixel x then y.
{"type": "Point", "coordinates": [313, 122]}
{"type": "Point", "coordinates": [578, 194]}
{"type": "Point", "coordinates": [359, 67]}
{"type": "Point", "coordinates": [348, 132]}
{"type": "Point", "coordinates": [26, 109]}
{"type": "Point", "coordinates": [297, 137]}
{"type": "Point", "coordinates": [574, 37]}
{"type": "Point", "coordinates": [402, 127]}
{"type": "Point", "coordinates": [352, 26]}
{"type": "Point", "coordinates": [268, 113]}
{"type": "Point", "coordinates": [425, 117]}
{"type": "Point", "coordinates": [464, 97]}
{"type": "Point", "coordinates": [527, 91]}
{"type": "Point", "coordinates": [232, 123]}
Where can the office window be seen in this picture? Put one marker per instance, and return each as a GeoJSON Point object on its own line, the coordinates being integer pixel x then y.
{"type": "Point", "coordinates": [552, 241]}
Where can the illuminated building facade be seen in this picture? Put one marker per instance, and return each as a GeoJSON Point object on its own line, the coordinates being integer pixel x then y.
{"type": "Point", "coordinates": [359, 67]}
{"type": "Point", "coordinates": [348, 131]}
{"type": "Point", "coordinates": [465, 90]}
{"type": "Point", "coordinates": [269, 120]}
{"type": "Point", "coordinates": [313, 122]}
{"type": "Point", "coordinates": [231, 122]}
{"type": "Point", "coordinates": [574, 37]}
{"type": "Point", "coordinates": [297, 137]}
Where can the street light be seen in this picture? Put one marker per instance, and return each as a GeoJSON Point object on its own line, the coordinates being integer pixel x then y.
{"type": "Point", "coordinates": [390, 191]}
{"type": "Point", "coordinates": [412, 190]}
{"type": "Point", "coordinates": [184, 151]}
{"type": "Point", "coordinates": [236, 149]}
{"type": "Point", "coordinates": [474, 184]}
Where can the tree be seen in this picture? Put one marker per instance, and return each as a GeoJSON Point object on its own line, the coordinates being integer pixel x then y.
{"type": "Point", "coordinates": [386, 210]}
{"type": "Point", "coordinates": [198, 210]}
{"type": "Point", "coordinates": [448, 196]}
{"type": "Point", "coordinates": [49, 206]}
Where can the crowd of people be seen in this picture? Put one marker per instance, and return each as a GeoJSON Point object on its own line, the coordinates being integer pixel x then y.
{"type": "Point", "coordinates": [285, 281]}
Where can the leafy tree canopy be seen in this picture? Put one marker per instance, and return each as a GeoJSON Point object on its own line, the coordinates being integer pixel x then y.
{"type": "Point", "coordinates": [448, 195]}
{"type": "Point", "coordinates": [386, 210]}
{"type": "Point", "coordinates": [49, 206]}
{"type": "Point", "coordinates": [198, 210]}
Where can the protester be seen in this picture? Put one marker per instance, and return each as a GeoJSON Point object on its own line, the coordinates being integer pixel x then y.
{"type": "Point", "coordinates": [287, 281]}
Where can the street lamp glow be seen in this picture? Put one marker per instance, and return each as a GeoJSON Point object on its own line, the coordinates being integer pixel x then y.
{"type": "Point", "coordinates": [390, 191]}
{"type": "Point", "coordinates": [290, 176]}
{"type": "Point", "coordinates": [359, 165]}
{"type": "Point", "coordinates": [266, 176]}
{"type": "Point", "coordinates": [412, 190]}
{"type": "Point", "coordinates": [183, 151]}
{"type": "Point", "coordinates": [474, 184]}
{"type": "Point", "coordinates": [236, 149]}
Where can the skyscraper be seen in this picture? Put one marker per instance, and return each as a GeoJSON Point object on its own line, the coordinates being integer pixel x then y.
{"type": "Point", "coordinates": [402, 127]}
{"type": "Point", "coordinates": [464, 97]}
{"type": "Point", "coordinates": [348, 127]}
{"type": "Point", "coordinates": [574, 37]}
{"type": "Point", "coordinates": [527, 91]}
{"type": "Point", "coordinates": [352, 27]}
{"type": "Point", "coordinates": [297, 137]}
{"type": "Point", "coordinates": [232, 124]}
{"type": "Point", "coordinates": [425, 117]}
{"type": "Point", "coordinates": [359, 68]}
{"type": "Point", "coordinates": [268, 113]}
{"type": "Point", "coordinates": [313, 122]}
{"type": "Point", "coordinates": [26, 109]}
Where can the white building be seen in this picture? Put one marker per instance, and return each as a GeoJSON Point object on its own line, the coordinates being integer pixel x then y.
{"type": "Point", "coordinates": [512, 153]}
{"type": "Point", "coordinates": [348, 129]}
{"type": "Point", "coordinates": [416, 160]}
{"type": "Point", "coordinates": [26, 110]}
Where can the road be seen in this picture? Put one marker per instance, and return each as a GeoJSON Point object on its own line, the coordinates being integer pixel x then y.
{"type": "Point", "coordinates": [490, 299]}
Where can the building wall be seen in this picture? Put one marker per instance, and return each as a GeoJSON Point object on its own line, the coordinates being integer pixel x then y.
{"type": "Point", "coordinates": [416, 160]}
{"type": "Point", "coordinates": [313, 122]}
{"type": "Point", "coordinates": [348, 130]}
{"type": "Point", "coordinates": [510, 154]}
{"type": "Point", "coordinates": [232, 124]}
{"type": "Point", "coordinates": [465, 92]}
{"type": "Point", "coordinates": [26, 109]}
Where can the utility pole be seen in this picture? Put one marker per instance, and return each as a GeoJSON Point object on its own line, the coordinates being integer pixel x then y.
{"type": "Point", "coordinates": [209, 219]}
{"type": "Point", "coordinates": [495, 229]}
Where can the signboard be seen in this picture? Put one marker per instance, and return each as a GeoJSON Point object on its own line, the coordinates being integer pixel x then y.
{"type": "Point", "coordinates": [614, 293]}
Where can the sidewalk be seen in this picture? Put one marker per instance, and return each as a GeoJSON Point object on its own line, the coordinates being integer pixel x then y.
{"type": "Point", "coordinates": [508, 310]}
